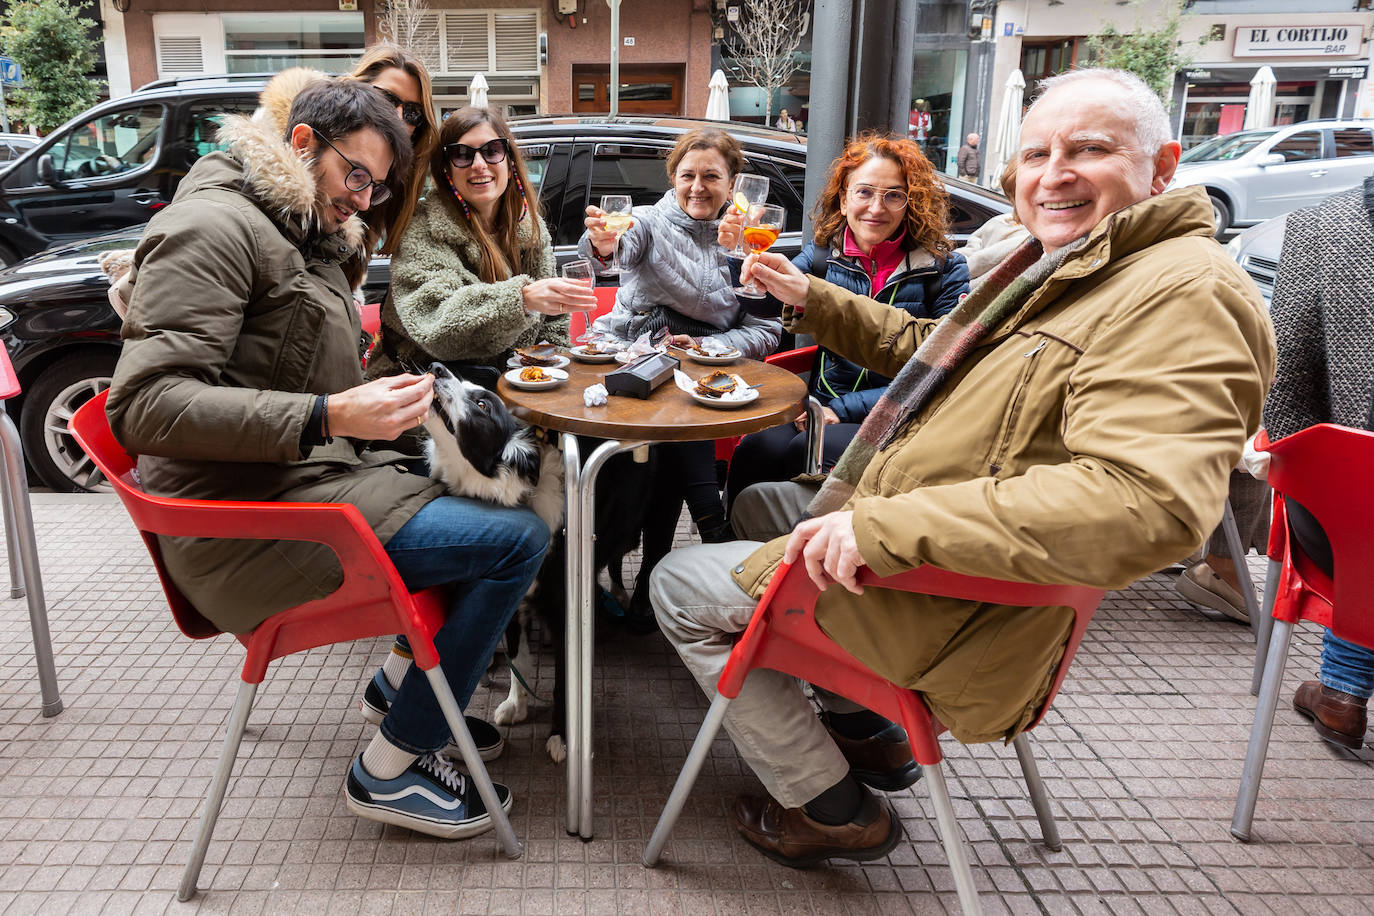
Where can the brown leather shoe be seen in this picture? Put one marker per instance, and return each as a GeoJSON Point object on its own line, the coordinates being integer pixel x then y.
{"type": "Point", "coordinates": [1339, 718]}
{"type": "Point", "coordinates": [789, 836]}
{"type": "Point", "coordinates": [882, 762]}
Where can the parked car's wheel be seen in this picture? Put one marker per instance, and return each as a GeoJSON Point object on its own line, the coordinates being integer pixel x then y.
{"type": "Point", "coordinates": [1221, 212]}
{"type": "Point", "coordinates": [48, 407]}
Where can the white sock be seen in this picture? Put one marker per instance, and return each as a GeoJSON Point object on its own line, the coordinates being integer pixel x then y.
{"type": "Point", "coordinates": [396, 666]}
{"type": "Point", "coordinates": [385, 760]}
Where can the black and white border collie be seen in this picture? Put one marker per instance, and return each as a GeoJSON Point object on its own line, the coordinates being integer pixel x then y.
{"type": "Point", "coordinates": [478, 450]}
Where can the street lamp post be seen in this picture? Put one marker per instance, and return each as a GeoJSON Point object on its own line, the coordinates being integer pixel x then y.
{"type": "Point", "coordinates": [615, 56]}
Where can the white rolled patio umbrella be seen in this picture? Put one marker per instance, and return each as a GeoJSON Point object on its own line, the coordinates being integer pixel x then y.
{"type": "Point", "coordinates": [1259, 107]}
{"type": "Point", "coordinates": [477, 91]}
{"type": "Point", "coordinates": [718, 99]}
{"type": "Point", "coordinates": [1006, 134]}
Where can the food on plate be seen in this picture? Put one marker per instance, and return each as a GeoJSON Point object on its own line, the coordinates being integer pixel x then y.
{"type": "Point", "coordinates": [542, 354]}
{"type": "Point", "coordinates": [534, 374]}
{"type": "Point", "coordinates": [591, 349]}
{"type": "Point", "coordinates": [716, 384]}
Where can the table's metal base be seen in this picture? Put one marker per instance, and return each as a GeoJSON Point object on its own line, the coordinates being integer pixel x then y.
{"type": "Point", "coordinates": [579, 483]}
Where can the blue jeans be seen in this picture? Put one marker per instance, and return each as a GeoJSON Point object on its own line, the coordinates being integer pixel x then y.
{"type": "Point", "coordinates": [488, 556]}
{"type": "Point", "coordinates": [1347, 667]}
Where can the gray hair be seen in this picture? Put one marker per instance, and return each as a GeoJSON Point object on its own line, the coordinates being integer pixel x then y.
{"type": "Point", "coordinates": [1152, 127]}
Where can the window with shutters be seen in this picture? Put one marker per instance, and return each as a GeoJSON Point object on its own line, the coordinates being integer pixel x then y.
{"type": "Point", "coordinates": [179, 55]}
{"type": "Point", "coordinates": [485, 41]}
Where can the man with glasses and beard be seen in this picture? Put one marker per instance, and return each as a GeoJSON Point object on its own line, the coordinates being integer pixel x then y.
{"type": "Point", "coordinates": [240, 379]}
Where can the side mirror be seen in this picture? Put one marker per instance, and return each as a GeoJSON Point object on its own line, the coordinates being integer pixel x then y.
{"type": "Point", "coordinates": [46, 173]}
{"type": "Point", "coordinates": [1271, 159]}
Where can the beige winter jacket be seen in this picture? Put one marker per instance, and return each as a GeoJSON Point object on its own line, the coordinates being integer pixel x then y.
{"type": "Point", "coordinates": [1086, 440]}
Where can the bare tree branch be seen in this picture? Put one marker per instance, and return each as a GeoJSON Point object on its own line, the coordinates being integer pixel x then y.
{"type": "Point", "coordinates": [410, 24]}
{"type": "Point", "coordinates": [764, 42]}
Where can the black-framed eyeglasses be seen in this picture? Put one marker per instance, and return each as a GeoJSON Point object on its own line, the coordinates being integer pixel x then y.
{"type": "Point", "coordinates": [413, 113]}
{"type": "Point", "coordinates": [358, 177]}
{"type": "Point", "coordinates": [461, 156]}
{"type": "Point", "coordinates": [891, 198]}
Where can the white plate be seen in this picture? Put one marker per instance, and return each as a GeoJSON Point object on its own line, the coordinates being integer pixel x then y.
{"type": "Point", "coordinates": [720, 360]}
{"type": "Point", "coordinates": [721, 403]}
{"type": "Point", "coordinates": [582, 356]}
{"type": "Point", "coordinates": [559, 377]}
{"type": "Point", "coordinates": [558, 363]}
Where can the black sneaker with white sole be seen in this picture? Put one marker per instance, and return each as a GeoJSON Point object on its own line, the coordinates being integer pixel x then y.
{"type": "Point", "coordinates": [377, 700]}
{"type": "Point", "coordinates": [429, 797]}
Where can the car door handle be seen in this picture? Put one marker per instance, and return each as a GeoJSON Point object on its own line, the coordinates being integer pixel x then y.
{"type": "Point", "coordinates": [1318, 173]}
{"type": "Point", "coordinates": [146, 198]}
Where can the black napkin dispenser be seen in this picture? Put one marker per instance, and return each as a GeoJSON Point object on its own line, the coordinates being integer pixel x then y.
{"type": "Point", "coordinates": [641, 376]}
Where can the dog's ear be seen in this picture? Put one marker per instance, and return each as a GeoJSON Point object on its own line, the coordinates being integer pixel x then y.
{"type": "Point", "coordinates": [527, 463]}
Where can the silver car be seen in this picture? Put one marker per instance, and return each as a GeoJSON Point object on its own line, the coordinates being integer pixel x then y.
{"type": "Point", "coordinates": [1257, 251]}
{"type": "Point", "coordinates": [1255, 175]}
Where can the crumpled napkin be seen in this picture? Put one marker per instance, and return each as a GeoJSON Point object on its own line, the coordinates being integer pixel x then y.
{"type": "Point", "coordinates": [594, 395]}
{"type": "Point", "coordinates": [640, 346]}
{"type": "Point", "coordinates": [715, 346]}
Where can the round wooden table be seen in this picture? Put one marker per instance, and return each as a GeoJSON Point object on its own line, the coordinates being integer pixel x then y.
{"type": "Point", "coordinates": [669, 414]}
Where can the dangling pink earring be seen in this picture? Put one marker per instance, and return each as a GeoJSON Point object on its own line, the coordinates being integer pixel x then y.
{"type": "Point", "coordinates": [524, 201]}
{"type": "Point", "coordinates": [467, 214]}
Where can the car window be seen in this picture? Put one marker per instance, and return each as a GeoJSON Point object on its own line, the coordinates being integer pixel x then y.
{"type": "Point", "coordinates": [117, 142]}
{"type": "Point", "coordinates": [786, 187]}
{"type": "Point", "coordinates": [1300, 147]}
{"type": "Point", "coordinates": [1353, 141]}
{"type": "Point", "coordinates": [1227, 146]}
{"type": "Point", "coordinates": [633, 169]}
{"type": "Point", "coordinates": [203, 122]}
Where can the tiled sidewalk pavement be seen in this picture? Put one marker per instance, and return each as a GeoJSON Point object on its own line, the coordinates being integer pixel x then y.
{"type": "Point", "coordinates": [1142, 755]}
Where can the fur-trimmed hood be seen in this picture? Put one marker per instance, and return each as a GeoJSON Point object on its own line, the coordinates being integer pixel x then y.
{"type": "Point", "coordinates": [274, 103]}
{"type": "Point", "coordinates": [282, 182]}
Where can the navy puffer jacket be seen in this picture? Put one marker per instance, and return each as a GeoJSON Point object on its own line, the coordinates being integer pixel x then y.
{"type": "Point", "coordinates": [922, 285]}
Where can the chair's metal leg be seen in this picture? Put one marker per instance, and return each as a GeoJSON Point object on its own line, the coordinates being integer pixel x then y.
{"type": "Point", "coordinates": [238, 721]}
{"type": "Point", "coordinates": [1259, 732]}
{"type": "Point", "coordinates": [953, 841]}
{"type": "Point", "coordinates": [11, 540]}
{"type": "Point", "coordinates": [572, 630]}
{"type": "Point", "coordinates": [691, 768]}
{"type": "Point", "coordinates": [1040, 799]}
{"type": "Point", "coordinates": [1238, 553]}
{"type": "Point", "coordinates": [21, 513]}
{"type": "Point", "coordinates": [1265, 625]}
{"type": "Point", "coordinates": [476, 769]}
{"type": "Point", "coordinates": [815, 435]}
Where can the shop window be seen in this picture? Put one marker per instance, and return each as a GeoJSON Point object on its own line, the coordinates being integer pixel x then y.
{"type": "Point", "coordinates": [1300, 147]}
{"type": "Point", "coordinates": [1354, 141]}
{"type": "Point", "coordinates": [270, 42]}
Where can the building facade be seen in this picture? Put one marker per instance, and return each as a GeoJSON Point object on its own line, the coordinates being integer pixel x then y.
{"type": "Point", "coordinates": [1319, 52]}
{"type": "Point", "coordinates": [537, 56]}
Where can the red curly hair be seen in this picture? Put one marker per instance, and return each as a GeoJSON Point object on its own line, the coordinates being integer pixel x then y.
{"type": "Point", "coordinates": [927, 206]}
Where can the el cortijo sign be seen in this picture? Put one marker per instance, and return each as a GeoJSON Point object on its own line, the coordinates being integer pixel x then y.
{"type": "Point", "coordinates": [1298, 41]}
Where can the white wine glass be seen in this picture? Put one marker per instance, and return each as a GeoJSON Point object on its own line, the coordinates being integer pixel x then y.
{"type": "Point", "coordinates": [765, 225]}
{"type": "Point", "coordinates": [580, 271]}
{"type": "Point", "coordinates": [615, 215]}
{"type": "Point", "coordinates": [750, 191]}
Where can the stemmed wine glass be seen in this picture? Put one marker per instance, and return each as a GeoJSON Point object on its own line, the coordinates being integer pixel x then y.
{"type": "Point", "coordinates": [750, 191]}
{"type": "Point", "coordinates": [615, 214]}
{"type": "Point", "coordinates": [580, 271]}
{"type": "Point", "coordinates": [765, 225]}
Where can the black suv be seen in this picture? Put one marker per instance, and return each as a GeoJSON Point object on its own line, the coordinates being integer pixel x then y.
{"type": "Point", "coordinates": [115, 165]}
{"type": "Point", "coordinates": [63, 337]}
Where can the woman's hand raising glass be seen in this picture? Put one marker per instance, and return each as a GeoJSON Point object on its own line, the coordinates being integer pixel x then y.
{"type": "Point", "coordinates": [558, 296]}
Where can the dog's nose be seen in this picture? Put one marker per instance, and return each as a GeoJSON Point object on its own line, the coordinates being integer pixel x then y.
{"type": "Point", "coordinates": [439, 370]}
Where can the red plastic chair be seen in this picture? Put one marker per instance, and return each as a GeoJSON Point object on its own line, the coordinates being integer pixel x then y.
{"type": "Point", "coordinates": [372, 601]}
{"type": "Point", "coordinates": [1329, 469]}
{"type": "Point", "coordinates": [26, 578]}
{"type": "Point", "coordinates": [580, 321]}
{"type": "Point", "coordinates": [783, 636]}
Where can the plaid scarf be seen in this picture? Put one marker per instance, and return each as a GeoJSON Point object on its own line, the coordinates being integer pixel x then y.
{"type": "Point", "coordinates": [997, 298]}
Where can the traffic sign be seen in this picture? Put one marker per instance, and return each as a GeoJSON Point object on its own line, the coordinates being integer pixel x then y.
{"type": "Point", "coordinates": [10, 73]}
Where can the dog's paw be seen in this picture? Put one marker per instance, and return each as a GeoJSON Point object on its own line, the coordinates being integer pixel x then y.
{"type": "Point", "coordinates": [558, 751]}
{"type": "Point", "coordinates": [511, 711]}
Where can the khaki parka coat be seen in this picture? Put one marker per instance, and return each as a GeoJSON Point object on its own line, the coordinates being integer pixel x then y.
{"type": "Point", "coordinates": [240, 315]}
{"type": "Point", "coordinates": [1087, 440]}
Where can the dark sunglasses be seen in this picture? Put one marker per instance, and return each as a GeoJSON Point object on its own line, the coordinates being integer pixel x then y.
{"type": "Point", "coordinates": [358, 177]}
{"type": "Point", "coordinates": [413, 113]}
{"type": "Point", "coordinates": [461, 156]}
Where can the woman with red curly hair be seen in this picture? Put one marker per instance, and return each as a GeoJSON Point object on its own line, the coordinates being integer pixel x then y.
{"type": "Point", "coordinates": [880, 230]}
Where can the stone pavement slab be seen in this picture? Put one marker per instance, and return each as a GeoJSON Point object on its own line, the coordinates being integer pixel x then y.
{"type": "Point", "coordinates": [1141, 756]}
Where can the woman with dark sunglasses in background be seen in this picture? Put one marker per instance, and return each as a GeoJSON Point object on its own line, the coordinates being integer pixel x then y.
{"type": "Point", "coordinates": [474, 276]}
